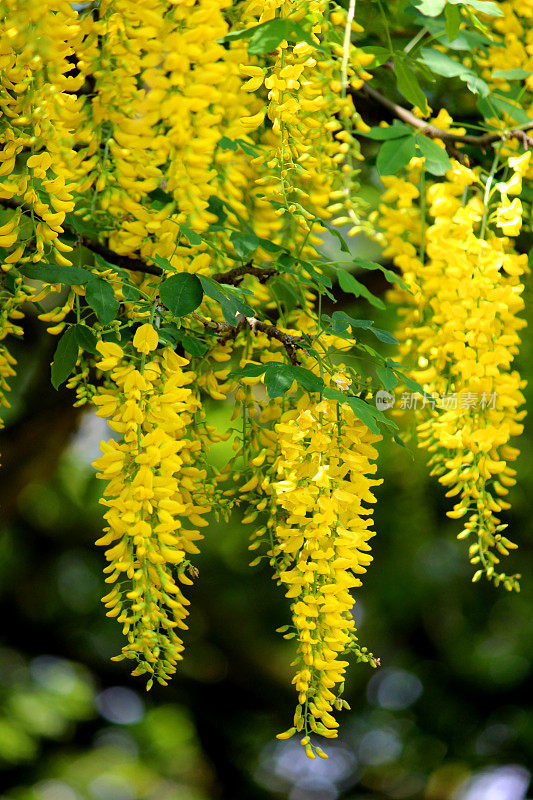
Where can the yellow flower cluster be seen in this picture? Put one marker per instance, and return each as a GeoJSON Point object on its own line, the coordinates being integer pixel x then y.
{"type": "Point", "coordinates": [159, 110]}
{"type": "Point", "coordinates": [512, 48]}
{"type": "Point", "coordinates": [461, 324]}
{"type": "Point", "coordinates": [310, 154]}
{"type": "Point", "coordinates": [319, 529]}
{"type": "Point", "coordinates": [36, 41]}
{"type": "Point", "coordinates": [155, 498]}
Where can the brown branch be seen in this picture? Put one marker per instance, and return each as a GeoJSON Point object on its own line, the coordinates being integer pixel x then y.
{"type": "Point", "coordinates": [235, 276]}
{"type": "Point", "coordinates": [132, 263]}
{"type": "Point", "coordinates": [447, 136]}
{"type": "Point", "coordinates": [126, 262]}
{"type": "Point", "coordinates": [290, 343]}
{"type": "Point", "coordinates": [136, 264]}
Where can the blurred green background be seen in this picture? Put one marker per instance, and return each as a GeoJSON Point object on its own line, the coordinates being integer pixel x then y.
{"type": "Point", "coordinates": [446, 717]}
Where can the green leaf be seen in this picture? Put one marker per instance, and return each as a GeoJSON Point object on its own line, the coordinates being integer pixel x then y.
{"type": "Point", "coordinates": [365, 412]}
{"type": "Point", "coordinates": [159, 199]}
{"type": "Point", "coordinates": [341, 321]}
{"type": "Point", "coordinates": [394, 156]}
{"type": "Point", "coordinates": [249, 371]}
{"type": "Point", "coordinates": [349, 284]}
{"type": "Point", "coordinates": [511, 74]}
{"type": "Point", "coordinates": [248, 148]}
{"type": "Point", "coordinates": [163, 263]}
{"type": "Point", "coordinates": [233, 144]}
{"type": "Point", "coordinates": [244, 243]}
{"type": "Point", "coordinates": [191, 344]}
{"type": "Point", "coordinates": [437, 159]}
{"type": "Point", "coordinates": [284, 293]}
{"type": "Point", "coordinates": [504, 106]}
{"type": "Point", "coordinates": [48, 273]}
{"type": "Point", "coordinates": [265, 38]}
{"type": "Point", "coordinates": [387, 377]}
{"type": "Point", "coordinates": [307, 379]}
{"type": "Point", "coordinates": [442, 64]}
{"type": "Point", "coordinates": [335, 394]}
{"type": "Point", "coordinates": [216, 207]}
{"type": "Point", "coordinates": [227, 298]}
{"type": "Point", "coordinates": [334, 232]}
{"type": "Point", "coordinates": [383, 336]}
{"type": "Point", "coordinates": [278, 379]}
{"type": "Point", "coordinates": [407, 83]}
{"type": "Point", "coordinates": [453, 21]}
{"type": "Point", "coordinates": [395, 131]}
{"type": "Point", "coordinates": [65, 357]}
{"type": "Point", "coordinates": [476, 84]}
{"type": "Point", "coordinates": [191, 236]}
{"type": "Point", "coordinates": [399, 441]}
{"type": "Point", "coordinates": [181, 293]}
{"type": "Point", "coordinates": [270, 247]}
{"type": "Point", "coordinates": [85, 338]}
{"type": "Point", "coordinates": [391, 276]}
{"type": "Point", "coordinates": [485, 6]}
{"type": "Point", "coordinates": [411, 384]}
{"type": "Point", "coordinates": [101, 297]}
{"type": "Point", "coordinates": [465, 40]}
{"type": "Point", "coordinates": [129, 290]}
{"type": "Point", "coordinates": [227, 144]}
{"type": "Point", "coordinates": [431, 8]}
{"type": "Point", "coordinates": [81, 226]}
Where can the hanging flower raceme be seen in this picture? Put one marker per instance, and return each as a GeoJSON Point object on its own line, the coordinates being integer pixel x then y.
{"type": "Point", "coordinates": [38, 164]}
{"type": "Point", "coordinates": [462, 325]}
{"type": "Point", "coordinates": [155, 497]}
{"type": "Point", "coordinates": [310, 155]}
{"type": "Point", "coordinates": [319, 529]}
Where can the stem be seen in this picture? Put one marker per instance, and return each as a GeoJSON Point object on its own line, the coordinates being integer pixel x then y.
{"type": "Point", "coordinates": [385, 26]}
{"type": "Point", "coordinates": [433, 132]}
{"type": "Point", "coordinates": [488, 186]}
{"type": "Point", "coordinates": [414, 41]}
{"type": "Point", "coordinates": [346, 47]}
{"type": "Point", "coordinates": [422, 190]}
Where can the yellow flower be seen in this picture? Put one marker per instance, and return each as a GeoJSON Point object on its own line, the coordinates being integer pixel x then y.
{"type": "Point", "coordinates": [341, 381]}
{"type": "Point", "coordinates": [155, 500]}
{"type": "Point", "coordinates": [508, 216]}
{"type": "Point", "coordinates": [146, 338]}
{"type": "Point", "coordinates": [111, 354]}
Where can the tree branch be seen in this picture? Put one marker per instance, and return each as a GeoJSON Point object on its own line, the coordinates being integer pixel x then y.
{"type": "Point", "coordinates": [235, 276]}
{"type": "Point", "coordinates": [136, 264]}
{"type": "Point", "coordinates": [132, 263]}
{"type": "Point", "coordinates": [290, 343]}
{"type": "Point", "coordinates": [447, 136]}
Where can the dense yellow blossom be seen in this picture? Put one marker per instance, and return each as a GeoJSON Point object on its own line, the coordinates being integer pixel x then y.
{"type": "Point", "coordinates": [461, 325]}
{"type": "Point", "coordinates": [317, 484]}
{"type": "Point", "coordinates": [155, 501]}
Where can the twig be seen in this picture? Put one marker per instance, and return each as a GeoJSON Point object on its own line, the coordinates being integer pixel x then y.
{"type": "Point", "coordinates": [136, 264]}
{"type": "Point", "coordinates": [290, 343]}
{"type": "Point", "coordinates": [447, 136]}
{"type": "Point", "coordinates": [125, 262]}
{"type": "Point", "coordinates": [234, 276]}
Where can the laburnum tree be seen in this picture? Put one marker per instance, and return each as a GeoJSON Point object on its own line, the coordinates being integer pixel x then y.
{"type": "Point", "coordinates": [169, 172]}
